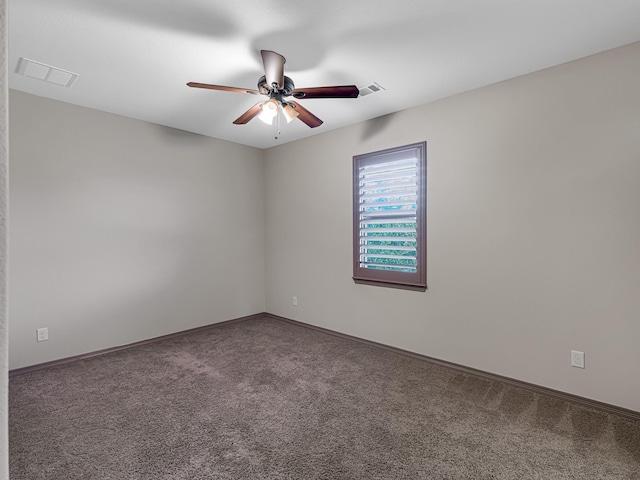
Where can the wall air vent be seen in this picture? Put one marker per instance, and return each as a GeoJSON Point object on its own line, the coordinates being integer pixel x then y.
{"type": "Point", "coordinates": [373, 87]}
{"type": "Point", "coordinates": [41, 71]}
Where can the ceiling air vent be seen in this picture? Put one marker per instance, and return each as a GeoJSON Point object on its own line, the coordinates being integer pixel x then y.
{"type": "Point", "coordinates": [57, 76]}
{"type": "Point", "coordinates": [369, 89]}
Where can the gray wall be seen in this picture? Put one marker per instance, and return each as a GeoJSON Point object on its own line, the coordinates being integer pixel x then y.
{"type": "Point", "coordinates": [122, 230]}
{"type": "Point", "coordinates": [533, 229]}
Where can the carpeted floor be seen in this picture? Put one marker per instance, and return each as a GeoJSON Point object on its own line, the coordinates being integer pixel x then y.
{"type": "Point", "coordinates": [265, 399]}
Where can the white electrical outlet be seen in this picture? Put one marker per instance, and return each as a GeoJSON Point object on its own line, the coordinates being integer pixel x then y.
{"type": "Point", "coordinates": [294, 302]}
{"type": "Point", "coordinates": [42, 334]}
{"type": "Point", "coordinates": [577, 359]}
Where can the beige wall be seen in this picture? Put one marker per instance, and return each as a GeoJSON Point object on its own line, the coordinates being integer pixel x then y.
{"type": "Point", "coordinates": [122, 230]}
{"type": "Point", "coordinates": [533, 229]}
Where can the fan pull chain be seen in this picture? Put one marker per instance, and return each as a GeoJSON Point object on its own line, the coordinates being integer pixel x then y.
{"type": "Point", "coordinates": [278, 124]}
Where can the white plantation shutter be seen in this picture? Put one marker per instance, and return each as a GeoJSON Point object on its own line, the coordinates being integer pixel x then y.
{"type": "Point", "coordinates": [389, 217]}
{"type": "Point", "coordinates": [388, 195]}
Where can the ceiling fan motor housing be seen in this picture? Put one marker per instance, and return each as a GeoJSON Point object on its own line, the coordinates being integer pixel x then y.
{"type": "Point", "coordinates": [267, 89]}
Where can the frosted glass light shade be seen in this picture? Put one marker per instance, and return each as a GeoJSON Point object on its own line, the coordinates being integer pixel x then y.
{"type": "Point", "coordinates": [269, 111]}
{"type": "Point", "coordinates": [290, 113]}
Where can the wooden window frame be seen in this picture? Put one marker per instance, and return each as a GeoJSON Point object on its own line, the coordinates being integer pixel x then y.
{"type": "Point", "coordinates": [416, 281]}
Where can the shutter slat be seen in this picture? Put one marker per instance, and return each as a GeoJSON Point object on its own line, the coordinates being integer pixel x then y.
{"type": "Point", "coordinates": [388, 166]}
{"type": "Point", "coordinates": [388, 186]}
{"type": "Point", "coordinates": [407, 219]}
{"type": "Point", "coordinates": [365, 239]}
{"type": "Point", "coordinates": [378, 196]}
{"type": "Point", "coordinates": [388, 266]}
{"type": "Point", "coordinates": [363, 257]}
{"type": "Point", "coordinates": [389, 222]}
{"type": "Point", "coordinates": [388, 177]}
{"type": "Point", "coordinates": [388, 230]}
{"type": "Point", "coordinates": [369, 246]}
{"type": "Point", "coordinates": [391, 213]}
{"type": "Point", "coordinates": [389, 204]}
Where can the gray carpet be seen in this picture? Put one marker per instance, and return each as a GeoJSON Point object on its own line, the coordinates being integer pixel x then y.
{"type": "Point", "coordinates": [265, 399]}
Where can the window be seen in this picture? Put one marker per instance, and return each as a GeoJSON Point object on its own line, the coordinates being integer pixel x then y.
{"type": "Point", "coordinates": [389, 217]}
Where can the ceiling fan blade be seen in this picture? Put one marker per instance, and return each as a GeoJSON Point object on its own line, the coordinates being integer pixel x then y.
{"type": "Point", "coordinates": [249, 114]}
{"type": "Point", "coordinates": [305, 115]}
{"type": "Point", "coordinates": [273, 67]}
{"type": "Point", "coordinates": [342, 91]}
{"type": "Point", "coordinates": [223, 88]}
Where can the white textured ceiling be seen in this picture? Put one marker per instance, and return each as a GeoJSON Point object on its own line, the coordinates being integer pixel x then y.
{"type": "Point", "coordinates": [134, 57]}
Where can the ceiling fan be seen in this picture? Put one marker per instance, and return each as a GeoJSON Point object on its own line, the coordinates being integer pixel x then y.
{"type": "Point", "coordinates": [278, 88]}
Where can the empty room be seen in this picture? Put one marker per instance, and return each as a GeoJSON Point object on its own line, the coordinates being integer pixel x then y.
{"type": "Point", "coordinates": [320, 240]}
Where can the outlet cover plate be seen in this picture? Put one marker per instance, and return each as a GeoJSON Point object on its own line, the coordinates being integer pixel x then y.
{"type": "Point", "coordinates": [577, 359]}
{"type": "Point", "coordinates": [42, 334]}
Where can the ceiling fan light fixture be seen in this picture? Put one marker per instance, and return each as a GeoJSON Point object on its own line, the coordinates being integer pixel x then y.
{"type": "Point", "coordinates": [289, 112]}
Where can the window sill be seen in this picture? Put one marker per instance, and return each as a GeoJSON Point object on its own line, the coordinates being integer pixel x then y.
{"type": "Point", "coordinates": [401, 286]}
